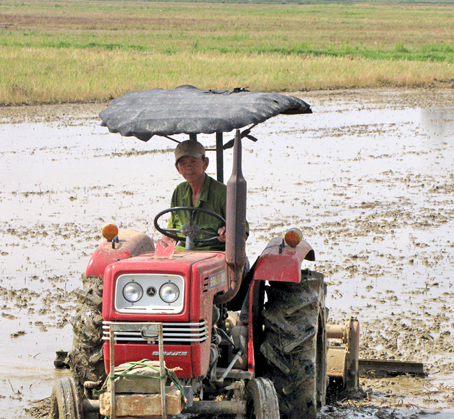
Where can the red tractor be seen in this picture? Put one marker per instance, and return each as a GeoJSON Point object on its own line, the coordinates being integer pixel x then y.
{"type": "Point", "coordinates": [169, 340]}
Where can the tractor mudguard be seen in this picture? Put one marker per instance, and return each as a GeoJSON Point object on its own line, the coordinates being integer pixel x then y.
{"type": "Point", "coordinates": [280, 262]}
{"type": "Point", "coordinates": [130, 243]}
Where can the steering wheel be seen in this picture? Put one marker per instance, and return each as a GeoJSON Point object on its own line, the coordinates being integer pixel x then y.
{"type": "Point", "coordinates": [189, 230]}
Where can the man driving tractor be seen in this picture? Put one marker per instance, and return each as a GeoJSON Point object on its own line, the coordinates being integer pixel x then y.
{"type": "Point", "coordinates": [199, 191]}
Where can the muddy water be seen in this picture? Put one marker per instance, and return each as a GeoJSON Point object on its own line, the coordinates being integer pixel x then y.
{"type": "Point", "coordinates": [368, 178]}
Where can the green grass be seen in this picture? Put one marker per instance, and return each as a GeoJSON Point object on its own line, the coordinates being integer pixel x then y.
{"type": "Point", "coordinates": [40, 39]}
{"type": "Point", "coordinates": [162, 43]}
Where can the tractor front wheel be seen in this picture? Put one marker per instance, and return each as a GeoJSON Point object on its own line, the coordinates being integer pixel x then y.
{"type": "Point", "coordinates": [65, 402]}
{"type": "Point", "coordinates": [295, 344]}
{"type": "Point", "coordinates": [86, 359]}
{"type": "Point", "coordinates": [262, 401]}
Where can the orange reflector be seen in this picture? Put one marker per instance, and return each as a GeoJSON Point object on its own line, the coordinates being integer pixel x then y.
{"type": "Point", "coordinates": [109, 231]}
{"type": "Point", "coordinates": [293, 237]}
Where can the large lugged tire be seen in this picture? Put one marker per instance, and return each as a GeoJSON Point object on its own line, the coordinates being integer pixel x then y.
{"type": "Point", "coordinates": [295, 344]}
{"type": "Point", "coordinates": [86, 358]}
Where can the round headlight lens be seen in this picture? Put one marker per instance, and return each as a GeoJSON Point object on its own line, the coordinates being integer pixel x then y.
{"type": "Point", "coordinates": [132, 292]}
{"type": "Point", "coordinates": [169, 292]}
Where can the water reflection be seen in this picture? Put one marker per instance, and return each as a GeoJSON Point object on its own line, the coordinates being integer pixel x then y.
{"type": "Point", "coordinates": [438, 122]}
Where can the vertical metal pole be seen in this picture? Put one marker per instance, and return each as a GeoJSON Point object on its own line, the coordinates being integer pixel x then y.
{"type": "Point", "coordinates": [235, 247]}
{"type": "Point", "coordinates": [193, 137]}
{"type": "Point", "coordinates": [352, 359]}
{"type": "Point", "coordinates": [235, 244]}
{"type": "Point", "coordinates": [219, 157]}
{"type": "Point", "coordinates": [162, 371]}
{"type": "Point", "coordinates": [113, 410]}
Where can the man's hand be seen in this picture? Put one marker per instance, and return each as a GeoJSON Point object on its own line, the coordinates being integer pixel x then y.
{"type": "Point", "coordinates": [221, 234]}
{"type": "Point", "coordinates": [166, 239]}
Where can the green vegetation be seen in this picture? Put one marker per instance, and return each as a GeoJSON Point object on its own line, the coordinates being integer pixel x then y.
{"type": "Point", "coordinates": [63, 50]}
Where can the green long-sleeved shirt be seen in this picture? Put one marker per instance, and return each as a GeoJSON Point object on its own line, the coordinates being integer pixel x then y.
{"type": "Point", "coordinates": [213, 198]}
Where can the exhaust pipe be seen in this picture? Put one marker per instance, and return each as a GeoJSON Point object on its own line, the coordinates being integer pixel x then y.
{"type": "Point", "coordinates": [235, 245]}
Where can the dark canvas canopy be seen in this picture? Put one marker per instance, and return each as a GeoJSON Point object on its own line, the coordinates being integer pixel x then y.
{"type": "Point", "coordinates": [189, 110]}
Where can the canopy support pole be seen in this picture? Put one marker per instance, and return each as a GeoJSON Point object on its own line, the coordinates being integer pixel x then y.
{"type": "Point", "coordinates": [219, 157]}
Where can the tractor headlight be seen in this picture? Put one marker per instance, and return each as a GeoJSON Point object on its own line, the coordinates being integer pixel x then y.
{"type": "Point", "coordinates": [149, 293]}
{"type": "Point", "coordinates": [132, 292]}
{"type": "Point", "coordinates": [169, 292]}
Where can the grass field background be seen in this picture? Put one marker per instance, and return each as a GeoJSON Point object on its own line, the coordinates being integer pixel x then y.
{"type": "Point", "coordinates": [66, 51]}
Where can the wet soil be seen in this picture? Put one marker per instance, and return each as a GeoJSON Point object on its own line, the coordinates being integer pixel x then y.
{"type": "Point", "coordinates": [368, 178]}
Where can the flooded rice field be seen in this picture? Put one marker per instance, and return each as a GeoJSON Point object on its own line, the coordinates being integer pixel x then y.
{"type": "Point", "coordinates": [368, 178]}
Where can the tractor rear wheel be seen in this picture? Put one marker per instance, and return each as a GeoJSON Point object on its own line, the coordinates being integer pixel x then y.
{"type": "Point", "coordinates": [295, 344]}
{"type": "Point", "coordinates": [65, 402]}
{"type": "Point", "coordinates": [262, 401]}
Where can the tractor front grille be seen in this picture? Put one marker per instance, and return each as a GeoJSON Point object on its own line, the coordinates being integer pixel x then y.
{"type": "Point", "coordinates": [173, 333]}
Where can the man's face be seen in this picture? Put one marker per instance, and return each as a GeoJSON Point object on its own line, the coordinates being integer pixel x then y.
{"type": "Point", "coordinates": [192, 168]}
